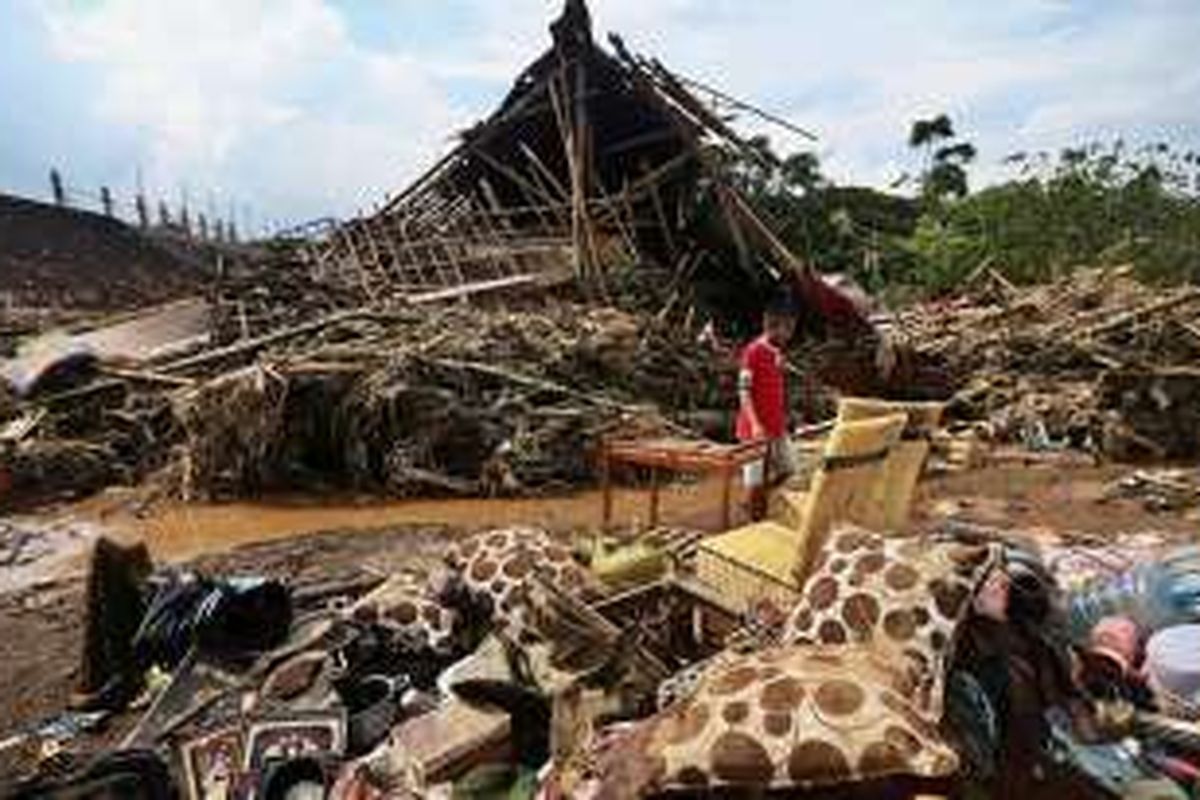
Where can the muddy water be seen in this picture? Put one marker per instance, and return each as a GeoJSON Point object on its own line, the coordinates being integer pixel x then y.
{"type": "Point", "coordinates": [1063, 500]}
{"type": "Point", "coordinates": [182, 531]}
{"type": "Point", "coordinates": [54, 546]}
{"type": "Point", "coordinates": [1022, 498]}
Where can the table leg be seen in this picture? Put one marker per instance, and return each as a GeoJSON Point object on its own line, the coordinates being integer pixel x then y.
{"type": "Point", "coordinates": [726, 496]}
{"type": "Point", "coordinates": [653, 497]}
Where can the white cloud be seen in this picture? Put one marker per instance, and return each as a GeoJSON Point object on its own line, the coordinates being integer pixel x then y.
{"type": "Point", "coordinates": [1014, 75]}
{"type": "Point", "coordinates": [268, 101]}
{"type": "Point", "coordinates": [276, 102]}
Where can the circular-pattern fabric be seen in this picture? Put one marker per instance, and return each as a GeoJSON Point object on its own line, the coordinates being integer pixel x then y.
{"type": "Point", "coordinates": [908, 594]}
{"type": "Point", "coordinates": [405, 604]}
{"type": "Point", "coordinates": [501, 563]}
{"type": "Point", "coordinates": [793, 717]}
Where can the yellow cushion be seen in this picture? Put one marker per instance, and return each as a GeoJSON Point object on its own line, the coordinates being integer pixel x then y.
{"type": "Point", "coordinates": [923, 417]}
{"type": "Point", "coordinates": [750, 564]}
{"type": "Point", "coordinates": [901, 473]}
{"type": "Point", "coordinates": [635, 563]}
{"type": "Point", "coordinates": [767, 545]}
{"type": "Point", "coordinates": [894, 492]}
{"type": "Point", "coordinates": [847, 494]}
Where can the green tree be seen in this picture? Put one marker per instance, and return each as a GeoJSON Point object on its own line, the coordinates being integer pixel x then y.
{"type": "Point", "coordinates": [852, 229]}
{"type": "Point", "coordinates": [1091, 205]}
{"type": "Point", "coordinates": [944, 171]}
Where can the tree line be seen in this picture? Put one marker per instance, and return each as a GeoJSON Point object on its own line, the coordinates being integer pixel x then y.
{"type": "Point", "coordinates": [1101, 203]}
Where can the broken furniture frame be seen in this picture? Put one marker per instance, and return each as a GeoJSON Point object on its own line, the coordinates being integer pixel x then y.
{"type": "Point", "coordinates": [677, 455]}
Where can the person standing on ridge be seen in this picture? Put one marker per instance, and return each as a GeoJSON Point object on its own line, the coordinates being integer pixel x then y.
{"type": "Point", "coordinates": [763, 406]}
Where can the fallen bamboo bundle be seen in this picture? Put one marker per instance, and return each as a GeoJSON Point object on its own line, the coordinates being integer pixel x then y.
{"type": "Point", "coordinates": [1095, 360]}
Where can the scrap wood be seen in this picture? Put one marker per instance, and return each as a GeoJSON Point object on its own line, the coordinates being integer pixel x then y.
{"type": "Point", "coordinates": [1136, 315]}
{"type": "Point", "coordinates": [258, 343]}
{"type": "Point", "coordinates": [308, 630]}
{"type": "Point", "coordinates": [400, 476]}
{"type": "Point", "coordinates": [1159, 490]}
{"type": "Point", "coordinates": [371, 399]}
{"type": "Point", "coordinates": [1060, 357]}
{"type": "Point", "coordinates": [147, 376]}
{"type": "Point", "coordinates": [744, 106]}
{"type": "Point", "coordinates": [591, 619]}
{"type": "Point", "coordinates": [18, 429]}
{"type": "Point", "coordinates": [479, 287]}
{"type": "Point", "coordinates": [1192, 329]}
{"type": "Point", "coordinates": [538, 384]}
{"type": "Point", "coordinates": [454, 735]}
{"type": "Point", "coordinates": [194, 687]}
{"type": "Point", "coordinates": [105, 386]}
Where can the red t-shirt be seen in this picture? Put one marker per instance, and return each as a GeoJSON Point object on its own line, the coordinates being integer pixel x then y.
{"type": "Point", "coordinates": [768, 392]}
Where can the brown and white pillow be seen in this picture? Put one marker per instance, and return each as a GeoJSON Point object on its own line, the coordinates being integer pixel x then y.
{"type": "Point", "coordinates": [405, 603]}
{"type": "Point", "coordinates": [501, 563]}
{"type": "Point", "coordinates": [911, 594]}
{"type": "Point", "coordinates": [793, 717]}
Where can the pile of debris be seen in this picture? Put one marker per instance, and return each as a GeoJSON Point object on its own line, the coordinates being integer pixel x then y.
{"type": "Point", "coordinates": [1159, 489]}
{"type": "Point", "coordinates": [505, 666]}
{"type": "Point", "coordinates": [271, 291]}
{"type": "Point", "coordinates": [237, 676]}
{"type": "Point", "coordinates": [446, 400]}
{"type": "Point", "coordinates": [1095, 360]}
{"type": "Point", "coordinates": [600, 170]}
{"type": "Point", "coordinates": [426, 399]}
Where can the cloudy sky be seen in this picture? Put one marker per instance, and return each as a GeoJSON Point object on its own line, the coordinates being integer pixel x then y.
{"type": "Point", "coordinates": [289, 110]}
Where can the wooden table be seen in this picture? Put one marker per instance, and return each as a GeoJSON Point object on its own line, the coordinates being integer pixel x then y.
{"type": "Point", "coordinates": [677, 455]}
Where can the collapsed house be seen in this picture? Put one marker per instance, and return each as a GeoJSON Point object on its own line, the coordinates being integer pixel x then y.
{"type": "Point", "coordinates": [593, 162]}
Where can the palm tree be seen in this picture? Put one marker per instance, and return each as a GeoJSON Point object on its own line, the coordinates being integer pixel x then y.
{"type": "Point", "coordinates": [944, 173]}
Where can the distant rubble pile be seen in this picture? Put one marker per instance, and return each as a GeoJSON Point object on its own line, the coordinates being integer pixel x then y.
{"type": "Point", "coordinates": [1095, 359]}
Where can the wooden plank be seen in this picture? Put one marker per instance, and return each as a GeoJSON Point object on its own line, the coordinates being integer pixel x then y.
{"type": "Point", "coordinates": [566, 134]}
{"type": "Point", "coordinates": [356, 262]}
{"type": "Point", "coordinates": [785, 255]}
{"type": "Point", "coordinates": [736, 103]}
{"type": "Point", "coordinates": [644, 184]}
{"type": "Point", "coordinates": [260, 342]}
{"type": "Point", "coordinates": [467, 289]}
{"type": "Point", "coordinates": [524, 184]}
{"type": "Point", "coordinates": [147, 376]}
{"type": "Point", "coordinates": [660, 214]}
{"type": "Point", "coordinates": [17, 429]}
{"type": "Point", "coordinates": [420, 183]}
{"type": "Point", "coordinates": [541, 168]}
{"type": "Point", "coordinates": [1128, 318]}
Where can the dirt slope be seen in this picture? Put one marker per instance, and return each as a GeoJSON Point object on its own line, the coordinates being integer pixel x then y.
{"type": "Point", "coordinates": [63, 257]}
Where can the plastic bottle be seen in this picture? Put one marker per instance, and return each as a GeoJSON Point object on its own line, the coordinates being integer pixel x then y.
{"type": "Point", "coordinates": [1153, 594]}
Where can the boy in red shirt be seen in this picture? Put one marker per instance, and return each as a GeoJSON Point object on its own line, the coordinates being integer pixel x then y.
{"type": "Point", "coordinates": [762, 397]}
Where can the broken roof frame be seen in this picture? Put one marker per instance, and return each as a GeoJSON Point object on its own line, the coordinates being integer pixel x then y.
{"type": "Point", "coordinates": [592, 159]}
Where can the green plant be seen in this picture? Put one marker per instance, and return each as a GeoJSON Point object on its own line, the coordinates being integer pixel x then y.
{"type": "Point", "coordinates": [1091, 205]}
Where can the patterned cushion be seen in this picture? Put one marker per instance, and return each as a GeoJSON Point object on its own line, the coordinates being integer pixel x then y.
{"type": "Point", "coordinates": [405, 604]}
{"type": "Point", "coordinates": [499, 563]}
{"type": "Point", "coordinates": [782, 718]}
{"type": "Point", "coordinates": [912, 593]}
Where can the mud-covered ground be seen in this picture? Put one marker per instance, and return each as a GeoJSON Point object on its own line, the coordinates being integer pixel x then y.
{"type": "Point", "coordinates": [41, 619]}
